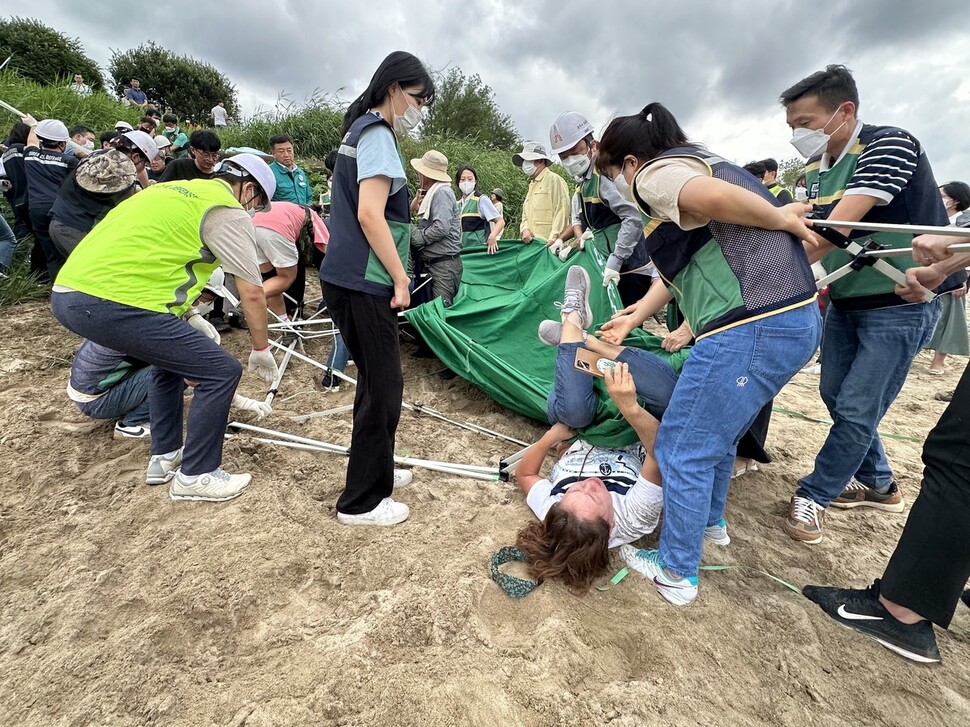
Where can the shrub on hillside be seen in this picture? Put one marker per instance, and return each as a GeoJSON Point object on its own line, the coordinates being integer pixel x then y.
{"type": "Point", "coordinates": [44, 55]}
{"type": "Point", "coordinates": [99, 111]}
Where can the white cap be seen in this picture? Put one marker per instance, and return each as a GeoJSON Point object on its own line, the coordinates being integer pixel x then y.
{"type": "Point", "coordinates": [122, 125]}
{"type": "Point", "coordinates": [568, 130]}
{"type": "Point", "coordinates": [52, 130]}
{"type": "Point", "coordinates": [144, 142]}
{"type": "Point", "coordinates": [257, 168]}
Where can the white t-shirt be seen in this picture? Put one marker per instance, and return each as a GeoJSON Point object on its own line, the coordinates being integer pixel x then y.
{"type": "Point", "coordinates": [272, 247]}
{"type": "Point", "coordinates": [219, 116]}
{"type": "Point", "coordinates": [637, 503]}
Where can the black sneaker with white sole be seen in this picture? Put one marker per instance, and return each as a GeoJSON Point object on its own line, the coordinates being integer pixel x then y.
{"type": "Point", "coordinates": [860, 610]}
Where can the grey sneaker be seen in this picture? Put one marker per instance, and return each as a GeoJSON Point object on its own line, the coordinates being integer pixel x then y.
{"type": "Point", "coordinates": [387, 512]}
{"type": "Point", "coordinates": [575, 297]}
{"type": "Point", "coordinates": [215, 486]}
{"type": "Point", "coordinates": [550, 332]}
{"type": "Point", "coordinates": [161, 469]}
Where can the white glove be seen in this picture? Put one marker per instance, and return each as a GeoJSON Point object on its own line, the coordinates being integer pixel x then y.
{"type": "Point", "coordinates": [566, 251]}
{"type": "Point", "coordinates": [610, 276]}
{"type": "Point", "coordinates": [204, 327]}
{"type": "Point", "coordinates": [29, 120]}
{"type": "Point", "coordinates": [263, 365]}
{"type": "Point", "coordinates": [588, 235]}
{"type": "Point", "coordinates": [259, 408]}
{"type": "Point", "coordinates": [555, 247]}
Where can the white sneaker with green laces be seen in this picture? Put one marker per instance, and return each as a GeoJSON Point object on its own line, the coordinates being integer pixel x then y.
{"type": "Point", "coordinates": [215, 486]}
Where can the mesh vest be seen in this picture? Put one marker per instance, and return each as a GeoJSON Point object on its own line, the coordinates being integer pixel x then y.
{"type": "Point", "coordinates": [350, 262]}
{"type": "Point", "coordinates": [722, 275]}
{"type": "Point", "coordinates": [147, 252]}
{"type": "Point", "coordinates": [474, 227]}
{"type": "Point", "coordinates": [917, 204]}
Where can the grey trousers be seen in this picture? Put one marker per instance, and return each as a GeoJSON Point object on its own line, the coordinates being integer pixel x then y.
{"type": "Point", "coordinates": [445, 278]}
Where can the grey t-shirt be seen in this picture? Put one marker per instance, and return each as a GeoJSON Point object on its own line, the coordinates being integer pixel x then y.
{"type": "Point", "coordinates": [229, 234]}
{"type": "Point", "coordinates": [440, 234]}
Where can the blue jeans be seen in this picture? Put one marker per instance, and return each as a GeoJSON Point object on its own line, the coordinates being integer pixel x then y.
{"type": "Point", "coordinates": [339, 355]}
{"type": "Point", "coordinates": [573, 399]}
{"type": "Point", "coordinates": [7, 244]}
{"type": "Point", "coordinates": [866, 356]}
{"type": "Point", "coordinates": [727, 379]}
{"type": "Point", "coordinates": [176, 352]}
{"type": "Point", "coordinates": [126, 400]}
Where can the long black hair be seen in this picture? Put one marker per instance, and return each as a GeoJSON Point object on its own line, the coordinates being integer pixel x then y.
{"type": "Point", "coordinates": [461, 171]}
{"type": "Point", "coordinates": [645, 135]}
{"type": "Point", "coordinates": [399, 66]}
{"type": "Point", "coordinates": [18, 133]}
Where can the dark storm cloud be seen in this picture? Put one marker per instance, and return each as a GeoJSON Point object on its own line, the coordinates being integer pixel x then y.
{"type": "Point", "coordinates": [719, 66]}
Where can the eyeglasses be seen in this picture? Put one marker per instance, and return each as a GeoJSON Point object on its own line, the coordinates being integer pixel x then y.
{"type": "Point", "coordinates": [213, 155]}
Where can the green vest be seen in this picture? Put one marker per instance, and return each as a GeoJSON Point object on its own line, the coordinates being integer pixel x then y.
{"type": "Point", "coordinates": [473, 226]}
{"type": "Point", "coordinates": [830, 189]}
{"type": "Point", "coordinates": [147, 252]}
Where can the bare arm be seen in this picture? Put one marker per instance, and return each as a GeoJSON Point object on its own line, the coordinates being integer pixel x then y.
{"type": "Point", "coordinates": [618, 328]}
{"type": "Point", "coordinates": [623, 391]}
{"type": "Point", "coordinates": [527, 473]}
{"type": "Point", "coordinates": [280, 282]}
{"type": "Point", "coordinates": [253, 302]}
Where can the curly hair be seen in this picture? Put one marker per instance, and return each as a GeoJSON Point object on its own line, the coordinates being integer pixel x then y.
{"type": "Point", "coordinates": [566, 547]}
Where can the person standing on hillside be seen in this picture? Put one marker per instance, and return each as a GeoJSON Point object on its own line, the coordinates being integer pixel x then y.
{"type": "Point", "coordinates": [436, 240]}
{"type": "Point", "coordinates": [134, 96]}
{"type": "Point", "coordinates": [79, 87]}
{"type": "Point", "coordinates": [545, 211]}
{"type": "Point", "coordinates": [220, 117]}
{"type": "Point", "coordinates": [291, 182]}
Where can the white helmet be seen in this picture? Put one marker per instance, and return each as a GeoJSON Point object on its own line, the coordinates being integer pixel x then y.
{"type": "Point", "coordinates": [568, 130]}
{"type": "Point", "coordinates": [216, 280]}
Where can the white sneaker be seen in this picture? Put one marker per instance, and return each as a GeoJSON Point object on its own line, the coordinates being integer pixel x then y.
{"type": "Point", "coordinates": [387, 512]}
{"type": "Point", "coordinates": [811, 369]}
{"type": "Point", "coordinates": [402, 478]}
{"type": "Point", "coordinates": [717, 533]}
{"type": "Point", "coordinates": [132, 431]}
{"type": "Point", "coordinates": [215, 486]}
{"type": "Point", "coordinates": [162, 469]}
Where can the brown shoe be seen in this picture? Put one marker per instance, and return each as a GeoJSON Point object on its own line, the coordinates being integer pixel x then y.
{"type": "Point", "coordinates": [859, 494]}
{"type": "Point", "coordinates": [944, 396]}
{"type": "Point", "coordinates": [805, 520]}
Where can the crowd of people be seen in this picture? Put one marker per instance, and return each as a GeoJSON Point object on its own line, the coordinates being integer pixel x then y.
{"type": "Point", "coordinates": [733, 253]}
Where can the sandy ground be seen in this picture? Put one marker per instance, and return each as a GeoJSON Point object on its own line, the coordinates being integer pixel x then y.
{"type": "Point", "coordinates": [119, 606]}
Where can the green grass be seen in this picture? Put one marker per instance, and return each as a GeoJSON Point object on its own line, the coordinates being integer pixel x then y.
{"type": "Point", "coordinates": [19, 285]}
{"type": "Point", "coordinates": [99, 112]}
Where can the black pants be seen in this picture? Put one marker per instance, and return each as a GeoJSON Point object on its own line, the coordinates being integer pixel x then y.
{"type": "Point", "coordinates": [296, 290]}
{"type": "Point", "coordinates": [930, 566]}
{"type": "Point", "coordinates": [40, 221]}
{"type": "Point", "coordinates": [369, 328]}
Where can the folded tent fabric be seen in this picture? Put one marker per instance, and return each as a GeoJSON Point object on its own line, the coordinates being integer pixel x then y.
{"type": "Point", "coordinates": [488, 336]}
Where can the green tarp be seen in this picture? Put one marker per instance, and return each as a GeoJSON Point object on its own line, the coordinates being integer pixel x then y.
{"type": "Point", "coordinates": [488, 336]}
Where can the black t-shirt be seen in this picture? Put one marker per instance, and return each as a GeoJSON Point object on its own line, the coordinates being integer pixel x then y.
{"type": "Point", "coordinates": [183, 170]}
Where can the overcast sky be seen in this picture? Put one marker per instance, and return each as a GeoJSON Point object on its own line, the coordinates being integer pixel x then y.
{"type": "Point", "coordinates": [718, 65]}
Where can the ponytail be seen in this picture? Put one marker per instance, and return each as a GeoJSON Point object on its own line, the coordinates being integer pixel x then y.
{"type": "Point", "coordinates": [645, 135]}
{"type": "Point", "coordinates": [400, 67]}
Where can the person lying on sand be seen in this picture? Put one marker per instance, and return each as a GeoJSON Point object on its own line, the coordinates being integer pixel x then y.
{"type": "Point", "coordinates": [596, 498]}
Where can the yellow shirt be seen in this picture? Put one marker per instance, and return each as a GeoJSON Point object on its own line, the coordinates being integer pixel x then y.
{"type": "Point", "coordinates": [546, 207]}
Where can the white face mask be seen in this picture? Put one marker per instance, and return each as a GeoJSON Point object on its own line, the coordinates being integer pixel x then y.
{"type": "Point", "coordinates": [466, 187]}
{"type": "Point", "coordinates": [801, 194]}
{"type": "Point", "coordinates": [576, 165]}
{"type": "Point", "coordinates": [529, 168]}
{"type": "Point", "coordinates": [89, 145]}
{"type": "Point", "coordinates": [409, 121]}
{"type": "Point", "coordinates": [623, 187]}
{"type": "Point", "coordinates": [809, 142]}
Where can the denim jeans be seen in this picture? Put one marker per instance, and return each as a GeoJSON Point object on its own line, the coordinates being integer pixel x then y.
{"type": "Point", "coordinates": [7, 244]}
{"type": "Point", "coordinates": [127, 400]}
{"type": "Point", "coordinates": [573, 399]}
{"type": "Point", "coordinates": [727, 379]}
{"type": "Point", "coordinates": [176, 352]}
{"type": "Point", "coordinates": [339, 355]}
{"type": "Point", "coordinates": [866, 356]}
